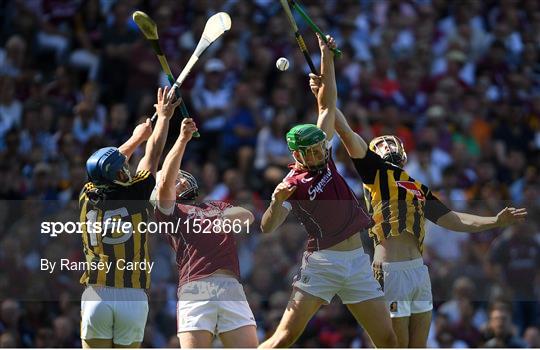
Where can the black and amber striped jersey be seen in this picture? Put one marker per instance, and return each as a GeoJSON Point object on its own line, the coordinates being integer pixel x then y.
{"type": "Point", "coordinates": [397, 202]}
{"type": "Point", "coordinates": [116, 251]}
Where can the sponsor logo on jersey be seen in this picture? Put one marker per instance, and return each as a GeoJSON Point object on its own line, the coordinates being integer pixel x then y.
{"type": "Point", "coordinates": [201, 214]}
{"type": "Point", "coordinates": [411, 187]}
{"type": "Point", "coordinates": [319, 188]}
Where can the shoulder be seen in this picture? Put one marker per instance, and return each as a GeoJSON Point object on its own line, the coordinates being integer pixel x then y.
{"type": "Point", "coordinates": [143, 182]}
{"type": "Point", "coordinates": [142, 175]}
{"type": "Point", "coordinates": [368, 166]}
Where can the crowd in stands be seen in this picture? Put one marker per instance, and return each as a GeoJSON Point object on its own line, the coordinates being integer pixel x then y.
{"type": "Point", "coordinates": [457, 81]}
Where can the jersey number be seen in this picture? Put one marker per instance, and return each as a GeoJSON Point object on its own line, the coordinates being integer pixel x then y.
{"type": "Point", "coordinates": [125, 227]}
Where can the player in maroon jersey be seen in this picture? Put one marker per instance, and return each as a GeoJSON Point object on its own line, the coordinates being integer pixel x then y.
{"type": "Point", "coordinates": [210, 298]}
{"type": "Point", "coordinates": [335, 262]}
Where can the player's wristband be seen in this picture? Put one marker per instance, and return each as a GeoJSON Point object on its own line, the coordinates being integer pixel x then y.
{"type": "Point", "coordinates": [286, 205]}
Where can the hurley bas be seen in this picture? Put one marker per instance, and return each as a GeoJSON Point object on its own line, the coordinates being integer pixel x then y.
{"type": "Point", "coordinates": [120, 264]}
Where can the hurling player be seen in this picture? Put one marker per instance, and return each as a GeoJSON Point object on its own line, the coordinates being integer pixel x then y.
{"type": "Point", "coordinates": [399, 206]}
{"type": "Point", "coordinates": [211, 301]}
{"type": "Point", "coordinates": [114, 305]}
{"type": "Point", "coordinates": [335, 262]}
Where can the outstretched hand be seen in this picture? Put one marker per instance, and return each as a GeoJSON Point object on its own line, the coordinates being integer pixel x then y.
{"type": "Point", "coordinates": [510, 216]}
{"type": "Point", "coordinates": [166, 103]}
{"type": "Point", "coordinates": [143, 131]}
{"type": "Point", "coordinates": [326, 48]}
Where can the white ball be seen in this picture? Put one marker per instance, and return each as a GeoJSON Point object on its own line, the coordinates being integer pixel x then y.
{"type": "Point", "coordinates": [282, 64]}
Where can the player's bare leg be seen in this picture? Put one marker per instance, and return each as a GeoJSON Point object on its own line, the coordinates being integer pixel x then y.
{"type": "Point", "coordinates": [195, 339]}
{"type": "Point", "coordinates": [96, 343]}
{"type": "Point", "coordinates": [419, 329]}
{"type": "Point", "coordinates": [302, 306]}
{"type": "Point", "coordinates": [136, 344]}
{"type": "Point", "coordinates": [374, 317]}
{"type": "Point", "coordinates": [243, 337]}
{"type": "Point", "coordinates": [401, 328]}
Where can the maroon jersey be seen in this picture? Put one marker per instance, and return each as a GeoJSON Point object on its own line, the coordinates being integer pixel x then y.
{"type": "Point", "coordinates": [199, 250]}
{"type": "Point", "coordinates": [326, 206]}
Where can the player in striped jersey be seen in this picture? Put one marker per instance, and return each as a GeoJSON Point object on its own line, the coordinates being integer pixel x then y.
{"type": "Point", "coordinates": [114, 305]}
{"type": "Point", "coordinates": [399, 206]}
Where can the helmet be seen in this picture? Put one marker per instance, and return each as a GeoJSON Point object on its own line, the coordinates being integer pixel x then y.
{"type": "Point", "coordinates": [307, 139]}
{"type": "Point", "coordinates": [103, 166]}
{"type": "Point", "coordinates": [189, 193]}
{"type": "Point", "coordinates": [192, 189]}
{"type": "Point", "coordinates": [393, 153]}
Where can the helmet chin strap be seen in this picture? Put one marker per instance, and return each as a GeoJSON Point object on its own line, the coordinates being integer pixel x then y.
{"type": "Point", "coordinates": [394, 158]}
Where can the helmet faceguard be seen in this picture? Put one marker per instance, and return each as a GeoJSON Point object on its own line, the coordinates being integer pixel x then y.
{"type": "Point", "coordinates": [185, 185]}
{"type": "Point", "coordinates": [313, 157]}
{"type": "Point", "coordinates": [390, 148]}
{"type": "Point", "coordinates": [310, 145]}
{"type": "Point", "coordinates": [127, 173]}
{"type": "Point", "coordinates": [191, 188]}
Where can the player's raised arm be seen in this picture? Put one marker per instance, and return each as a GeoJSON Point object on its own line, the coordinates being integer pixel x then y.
{"type": "Point", "coordinates": [141, 133]}
{"type": "Point", "coordinates": [166, 189]}
{"type": "Point", "coordinates": [463, 222]}
{"type": "Point", "coordinates": [354, 143]}
{"type": "Point", "coordinates": [279, 208]}
{"type": "Point", "coordinates": [154, 146]}
{"type": "Point", "coordinates": [327, 94]}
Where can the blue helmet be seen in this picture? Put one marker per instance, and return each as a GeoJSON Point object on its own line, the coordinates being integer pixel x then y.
{"type": "Point", "coordinates": [103, 166]}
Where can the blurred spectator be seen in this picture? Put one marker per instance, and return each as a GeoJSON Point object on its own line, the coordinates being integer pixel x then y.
{"type": "Point", "coordinates": [10, 107]}
{"type": "Point", "coordinates": [240, 130]}
{"type": "Point", "coordinates": [272, 152]}
{"type": "Point", "coordinates": [87, 122]}
{"type": "Point", "coordinates": [464, 329]}
{"type": "Point", "coordinates": [463, 292]}
{"type": "Point", "coordinates": [532, 337]}
{"type": "Point", "coordinates": [212, 101]}
{"type": "Point", "coordinates": [63, 333]}
{"type": "Point", "coordinates": [515, 256]}
{"type": "Point", "coordinates": [12, 58]}
{"type": "Point", "coordinates": [88, 28]}
{"type": "Point", "coordinates": [499, 332]}
{"type": "Point", "coordinates": [118, 40]}
{"type": "Point", "coordinates": [422, 169]}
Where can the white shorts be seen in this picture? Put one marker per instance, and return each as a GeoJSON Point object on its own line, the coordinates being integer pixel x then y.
{"type": "Point", "coordinates": [113, 313]}
{"type": "Point", "coordinates": [407, 287]}
{"type": "Point", "coordinates": [216, 304]}
{"type": "Point", "coordinates": [348, 274]}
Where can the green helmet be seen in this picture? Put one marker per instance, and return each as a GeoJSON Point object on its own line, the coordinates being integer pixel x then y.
{"type": "Point", "coordinates": [303, 136]}
{"type": "Point", "coordinates": [310, 142]}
